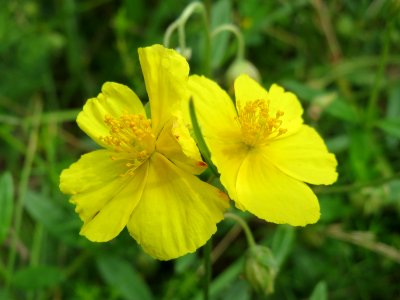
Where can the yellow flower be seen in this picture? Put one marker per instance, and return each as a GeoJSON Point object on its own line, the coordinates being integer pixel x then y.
{"type": "Point", "coordinates": [144, 178]}
{"type": "Point", "coordinates": [263, 150]}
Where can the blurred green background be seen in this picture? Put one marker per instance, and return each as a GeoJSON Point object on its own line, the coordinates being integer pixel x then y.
{"type": "Point", "coordinates": [342, 59]}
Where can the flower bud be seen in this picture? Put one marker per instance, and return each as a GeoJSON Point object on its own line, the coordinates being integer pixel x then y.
{"type": "Point", "coordinates": [241, 66]}
{"type": "Point", "coordinates": [260, 269]}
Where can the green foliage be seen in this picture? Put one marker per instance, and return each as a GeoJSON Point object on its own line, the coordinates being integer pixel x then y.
{"type": "Point", "coordinates": [340, 57]}
{"type": "Point", "coordinates": [123, 278]}
{"type": "Point", "coordinates": [37, 277]}
{"type": "Point", "coordinates": [6, 204]}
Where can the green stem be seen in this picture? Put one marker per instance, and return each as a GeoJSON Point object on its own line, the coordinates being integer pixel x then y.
{"type": "Point", "coordinates": [180, 23]}
{"type": "Point", "coordinates": [379, 75]}
{"type": "Point", "coordinates": [239, 37]}
{"type": "Point", "coordinates": [22, 188]}
{"type": "Point", "coordinates": [207, 269]}
{"type": "Point", "coordinates": [3, 271]}
{"type": "Point", "coordinates": [168, 33]}
{"type": "Point", "coordinates": [37, 245]}
{"type": "Point", "coordinates": [246, 229]}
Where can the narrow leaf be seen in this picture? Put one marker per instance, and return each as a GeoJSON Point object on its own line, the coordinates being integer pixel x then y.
{"type": "Point", "coordinates": [35, 277]}
{"type": "Point", "coordinates": [121, 276]}
{"type": "Point", "coordinates": [199, 138]}
{"type": "Point", "coordinates": [282, 243]}
{"type": "Point", "coordinates": [320, 291]}
{"type": "Point", "coordinates": [390, 126]}
{"type": "Point", "coordinates": [6, 204]}
{"type": "Point", "coordinates": [221, 14]}
{"type": "Point", "coordinates": [57, 220]}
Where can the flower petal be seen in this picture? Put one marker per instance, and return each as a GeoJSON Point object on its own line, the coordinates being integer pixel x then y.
{"type": "Point", "coordinates": [117, 208]}
{"type": "Point", "coordinates": [304, 157]}
{"type": "Point", "coordinates": [178, 212]}
{"type": "Point", "coordinates": [286, 102]}
{"type": "Point", "coordinates": [91, 171]}
{"type": "Point", "coordinates": [247, 89]}
{"type": "Point", "coordinates": [215, 111]}
{"type": "Point", "coordinates": [165, 74]}
{"type": "Point", "coordinates": [270, 194]}
{"type": "Point", "coordinates": [114, 99]}
{"type": "Point", "coordinates": [228, 158]}
{"type": "Point", "coordinates": [175, 143]}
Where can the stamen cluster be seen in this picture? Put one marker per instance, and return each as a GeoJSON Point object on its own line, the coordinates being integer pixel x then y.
{"type": "Point", "coordinates": [130, 134]}
{"type": "Point", "coordinates": [256, 123]}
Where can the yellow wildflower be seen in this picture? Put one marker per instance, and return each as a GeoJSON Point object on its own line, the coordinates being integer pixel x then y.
{"type": "Point", "coordinates": [144, 178]}
{"type": "Point", "coordinates": [263, 150]}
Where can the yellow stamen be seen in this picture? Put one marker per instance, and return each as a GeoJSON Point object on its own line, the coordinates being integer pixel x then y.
{"type": "Point", "coordinates": [131, 137]}
{"type": "Point", "coordinates": [256, 123]}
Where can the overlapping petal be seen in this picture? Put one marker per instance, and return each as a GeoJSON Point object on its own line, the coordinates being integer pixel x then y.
{"type": "Point", "coordinates": [228, 158]}
{"type": "Point", "coordinates": [304, 157]}
{"type": "Point", "coordinates": [83, 175]}
{"type": "Point", "coordinates": [270, 194]}
{"type": "Point", "coordinates": [176, 143]}
{"type": "Point", "coordinates": [177, 213]}
{"type": "Point", "coordinates": [117, 207]}
{"type": "Point", "coordinates": [104, 198]}
{"type": "Point", "coordinates": [114, 100]}
{"type": "Point", "coordinates": [215, 110]}
{"type": "Point", "coordinates": [166, 74]}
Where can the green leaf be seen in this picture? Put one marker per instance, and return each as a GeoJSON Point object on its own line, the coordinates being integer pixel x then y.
{"type": "Point", "coordinates": [336, 106]}
{"type": "Point", "coordinates": [36, 277]}
{"type": "Point", "coordinates": [224, 281]}
{"type": "Point", "coordinates": [185, 263]}
{"type": "Point", "coordinates": [239, 290]}
{"type": "Point", "coordinates": [390, 126]}
{"type": "Point", "coordinates": [199, 138]}
{"type": "Point", "coordinates": [5, 295]}
{"type": "Point", "coordinates": [360, 154]}
{"type": "Point", "coordinates": [121, 276]}
{"type": "Point", "coordinates": [320, 291]}
{"type": "Point", "coordinates": [221, 14]}
{"type": "Point", "coordinates": [282, 243]}
{"type": "Point", "coordinates": [58, 221]}
{"type": "Point", "coordinates": [6, 204]}
{"type": "Point", "coordinates": [340, 109]}
{"type": "Point", "coordinates": [303, 91]}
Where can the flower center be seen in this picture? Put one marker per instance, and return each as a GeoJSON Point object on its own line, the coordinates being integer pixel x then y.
{"type": "Point", "coordinates": [257, 124]}
{"type": "Point", "coordinates": [131, 137]}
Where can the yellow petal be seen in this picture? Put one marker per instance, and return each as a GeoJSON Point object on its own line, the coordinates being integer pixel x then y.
{"type": "Point", "coordinates": [90, 202]}
{"type": "Point", "coordinates": [270, 194]}
{"type": "Point", "coordinates": [177, 213]}
{"type": "Point", "coordinates": [247, 89]}
{"type": "Point", "coordinates": [117, 207]}
{"type": "Point", "coordinates": [303, 156]}
{"type": "Point", "coordinates": [175, 143]}
{"type": "Point", "coordinates": [91, 171]}
{"type": "Point", "coordinates": [165, 73]}
{"type": "Point", "coordinates": [228, 158]}
{"type": "Point", "coordinates": [286, 102]}
{"type": "Point", "coordinates": [114, 100]}
{"type": "Point", "coordinates": [215, 111]}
